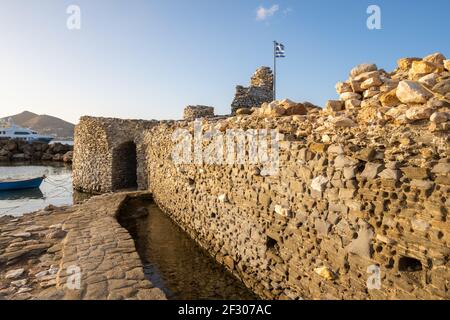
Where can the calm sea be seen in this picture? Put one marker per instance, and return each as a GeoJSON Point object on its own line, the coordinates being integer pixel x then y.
{"type": "Point", "coordinates": [69, 142]}
{"type": "Point", "coordinates": [56, 189]}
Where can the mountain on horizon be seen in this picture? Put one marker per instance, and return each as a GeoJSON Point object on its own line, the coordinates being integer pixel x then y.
{"type": "Point", "coordinates": [44, 124]}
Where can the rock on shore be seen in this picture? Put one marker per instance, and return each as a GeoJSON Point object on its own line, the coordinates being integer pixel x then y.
{"type": "Point", "coordinates": [78, 252]}
{"type": "Point", "coordinates": [15, 150]}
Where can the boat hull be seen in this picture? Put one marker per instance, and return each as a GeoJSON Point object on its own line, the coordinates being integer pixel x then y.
{"type": "Point", "coordinates": [21, 185]}
{"type": "Point", "coordinates": [46, 140]}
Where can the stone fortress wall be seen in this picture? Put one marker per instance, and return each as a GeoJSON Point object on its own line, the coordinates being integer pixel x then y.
{"type": "Point", "coordinates": [259, 91]}
{"type": "Point", "coordinates": [336, 210]}
{"type": "Point", "coordinates": [109, 154]}
{"type": "Point", "coordinates": [194, 112]}
{"type": "Point", "coordinates": [363, 187]}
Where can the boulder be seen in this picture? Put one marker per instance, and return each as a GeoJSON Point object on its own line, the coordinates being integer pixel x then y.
{"type": "Point", "coordinates": [421, 68]}
{"type": "Point", "coordinates": [352, 103]}
{"type": "Point", "coordinates": [371, 92]}
{"type": "Point", "coordinates": [447, 64]}
{"type": "Point", "coordinates": [439, 117]}
{"type": "Point", "coordinates": [11, 146]}
{"type": "Point", "coordinates": [371, 82]}
{"type": "Point", "coordinates": [419, 112]}
{"type": "Point", "coordinates": [436, 59]}
{"type": "Point", "coordinates": [334, 105]}
{"type": "Point", "coordinates": [390, 99]}
{"type": "Point", "coordinates": [292, 108]}
{"type": "Point", "coordinates": [356, 86]}
{"type": "Point", "coordinates": [244, 111]}
{"type": "Point", "coordinates": [362, 68]}
{"type": "Point", "coordinates": [406, 63]}
{"type": "Point", "coordinates": [342, 87]}
{"type": "Point", "coordinates": [429, 80]}
{"type": "Point", "coordinates": [4, 152]}
{"type": "Point", "coordinates": [343, 122]}
{"type": "Point", "coordinates": [271, 110]}
{"type": "Point", "coordinates": [397, 111]}
{"type": "Point", "coordinates": [412, 92]}
{"type": "Point", "coordinates": [350, 96]}
{"type": "Point", "coordinates": [443, 87]}
{"type": "Point", "coordinates": [68, 156]}
{"type": "Point", "coordinates": [366, 75]}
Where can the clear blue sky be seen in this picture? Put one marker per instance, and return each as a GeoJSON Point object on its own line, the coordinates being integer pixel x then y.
{"type": "Point", "coordinates": [149, 59]}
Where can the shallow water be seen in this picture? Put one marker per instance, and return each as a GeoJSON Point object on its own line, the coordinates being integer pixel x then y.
{"type": "Point", "coordinates": [56, 189]}
{"type": "Point", "coordinates": [175, 263]}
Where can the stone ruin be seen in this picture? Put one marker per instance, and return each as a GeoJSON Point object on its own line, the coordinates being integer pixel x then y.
{"type": "Point", "coordinates": [362, 188]}
{"type": "Point", "coordinates": [259, 91]}
{"type": "Point", "coordinates": [196, 112]}
{"type": "Point", "coordinates": [109, 154]}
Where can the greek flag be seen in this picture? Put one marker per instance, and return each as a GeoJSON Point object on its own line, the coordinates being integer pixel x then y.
{"type": "Point", "coordinates": [279, 50]}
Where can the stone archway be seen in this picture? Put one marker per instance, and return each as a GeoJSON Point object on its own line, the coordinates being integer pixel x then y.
{"type": "Point", "coordinates": [124, 166]}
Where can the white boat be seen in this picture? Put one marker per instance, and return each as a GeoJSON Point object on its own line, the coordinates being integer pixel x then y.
{"type": "Point", "coordinates": [14, 132]}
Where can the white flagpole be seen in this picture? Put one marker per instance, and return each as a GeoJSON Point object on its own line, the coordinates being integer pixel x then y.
{"type": "Point", "coordinates": [274, 71]}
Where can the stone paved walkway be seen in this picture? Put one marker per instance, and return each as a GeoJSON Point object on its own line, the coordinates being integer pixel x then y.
{"type": "Point", "coordinates": [78, 252]}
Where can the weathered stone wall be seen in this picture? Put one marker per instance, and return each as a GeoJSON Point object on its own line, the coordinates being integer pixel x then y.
{"type": "Point", "coordinates": [195, 112]}
{"type": "Point", "coordinates": [109, 154]}
{"type": "Point", "coordinates": [259, 91]}
{"type": "Point", "coordinates": [362, 185]}
{"type": "Point", "coordinates": [345, 200]}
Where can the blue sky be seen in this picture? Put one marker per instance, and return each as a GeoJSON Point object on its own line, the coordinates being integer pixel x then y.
{"type": "Point", "coordinates": [149, 59]}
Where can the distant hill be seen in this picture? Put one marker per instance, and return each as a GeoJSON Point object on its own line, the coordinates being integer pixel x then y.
{"type": "Point", "coordinates": [44, 124]}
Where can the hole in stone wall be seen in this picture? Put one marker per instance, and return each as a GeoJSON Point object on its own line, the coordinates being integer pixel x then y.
{"type": "Point", "coordinates": [407, 264]}
{"type": "Point", "coordinates": [390, 263]}
{"type": "Point", "coordinates": [124, 166]}
{"type": "Point", "coordinates": [271, 243]}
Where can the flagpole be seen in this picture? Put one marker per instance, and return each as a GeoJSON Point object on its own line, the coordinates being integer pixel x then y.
{"type": "Point", "coordinates": [274, 71]}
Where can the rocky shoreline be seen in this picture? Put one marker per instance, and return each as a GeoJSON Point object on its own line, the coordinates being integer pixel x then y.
{"type": "Point", "coordinates": [43, 253]}
{"type": "Point", "coordinates": [16, 151]}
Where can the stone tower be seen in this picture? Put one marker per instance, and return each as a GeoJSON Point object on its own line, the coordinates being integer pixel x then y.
{"type": "Point", "coordinates": [259, 91]}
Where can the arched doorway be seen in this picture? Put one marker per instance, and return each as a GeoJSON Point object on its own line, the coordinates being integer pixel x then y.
{"type": "Point", "coordinates": [124, 166]}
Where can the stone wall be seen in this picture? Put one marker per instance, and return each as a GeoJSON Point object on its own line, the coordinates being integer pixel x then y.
{"type": "Point", "coordinates": [259, 91]}
{"type": "Point", "coordinates": [109, 154]}
{"type": "Point", "coordinates": [345, 202]}
{"type": "Point", "coordinates": [194, 112]}
{"type": "Point", "coordinates": [362, 187]}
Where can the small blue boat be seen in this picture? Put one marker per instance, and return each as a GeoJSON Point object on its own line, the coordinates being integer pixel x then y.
{"type": "Point", "coordinates": [34, 183]}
